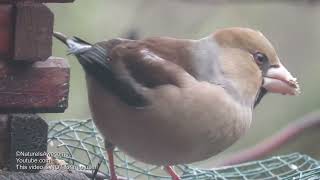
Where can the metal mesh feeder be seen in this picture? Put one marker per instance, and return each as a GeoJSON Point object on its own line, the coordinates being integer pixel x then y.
{"type": "Point", "coordinates": [81, 146]}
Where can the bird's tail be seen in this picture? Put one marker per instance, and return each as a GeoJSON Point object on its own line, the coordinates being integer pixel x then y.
{"type": "Point", "coordinates": [75, 44]}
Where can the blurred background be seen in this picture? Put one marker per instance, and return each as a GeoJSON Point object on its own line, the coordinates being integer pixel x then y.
{"type": "Point", "coordinates": [292, 27]}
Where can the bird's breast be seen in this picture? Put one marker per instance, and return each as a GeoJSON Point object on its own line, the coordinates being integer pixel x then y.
{"type": "Point", "coordinates": [182, 125]}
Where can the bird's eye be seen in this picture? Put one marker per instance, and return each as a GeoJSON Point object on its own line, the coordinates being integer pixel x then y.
{"type": "Point", "coordinates": [260, 58]}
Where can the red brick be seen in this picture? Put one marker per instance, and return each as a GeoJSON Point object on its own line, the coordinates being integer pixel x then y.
{"type": "Point", "coordinates": [37, 1]}
{"type": "Point", "coordinates": [6, 30]}
{"type": "Point", "coordinates": [32, 88]}
{"type": "Point", "coordinates": [33, 32]}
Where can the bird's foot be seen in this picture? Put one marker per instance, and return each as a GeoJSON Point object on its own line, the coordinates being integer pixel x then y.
{"type": "Point", "coordinates": [113, 178]}
{"type": "Point", "coordinates": [118, 178]}
{"type": "Point", "coordinates": [175, 178]}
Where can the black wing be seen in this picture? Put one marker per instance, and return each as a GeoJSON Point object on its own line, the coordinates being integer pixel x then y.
{"type": "Point", "coordinates": [96, 62]}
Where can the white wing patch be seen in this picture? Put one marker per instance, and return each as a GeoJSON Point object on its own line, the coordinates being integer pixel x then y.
{"type": "Point", "coordinates": [75, 47]}
{"type": "Point", "coordinates": [260, 33]}
{"type": "Point", "coordinates": [148, 55]}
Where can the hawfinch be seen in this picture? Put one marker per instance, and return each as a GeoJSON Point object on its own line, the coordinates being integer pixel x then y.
{"type": "Point", "coordinates": [167, 101]}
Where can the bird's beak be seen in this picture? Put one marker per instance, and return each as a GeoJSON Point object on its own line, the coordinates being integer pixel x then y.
{"type": "Point", "coordinates": [279, 80]}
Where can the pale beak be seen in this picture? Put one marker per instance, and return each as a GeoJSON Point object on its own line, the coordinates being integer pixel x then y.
{"type": "Point", "coordinates": [279, 80]}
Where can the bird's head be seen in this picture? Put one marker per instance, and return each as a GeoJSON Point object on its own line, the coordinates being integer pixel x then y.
{"type": "Point", "coordinates": [250, 58]}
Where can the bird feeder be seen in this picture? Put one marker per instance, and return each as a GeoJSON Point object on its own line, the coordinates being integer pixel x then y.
{"type": "Point", "coordinates": [31, 81]}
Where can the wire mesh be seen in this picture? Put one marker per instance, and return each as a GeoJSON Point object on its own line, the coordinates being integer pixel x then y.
{"type": "Point", "coordinates": [81, 145]}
